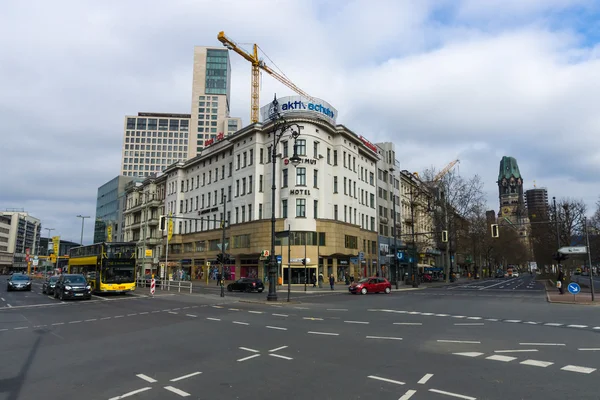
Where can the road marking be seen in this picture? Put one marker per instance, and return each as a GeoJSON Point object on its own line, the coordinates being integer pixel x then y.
{"type": "Point", "coordinates": [280, 315]}
{"type": "Point", "coordinates": [313, 318]}
{"type": "Point", "coordinates": [577, 326]}
{"type": "Point", "coordinates": [75, 322]}
{"type": "Point", "coordinates": [146, 378]}
{"type": "Point", "coordinates": [176, 309]}
{"type": "Point", "coordinates": [337, 309]}
{"type": "Point", "coordinates": [553, 324]}
{"type": "Point", "coordinates": [177, 391]}
{"type": "Point", "coordinates": [495, 284]}
{"type": "Point", "coordinates": [459, 341]}
{"type": "Point", "coordinates": [255, 312]}
{"type": "Point", "coordinates": [424, 379]}
{"type": "Point", "coordinates": [357, 322]}
{"type": "Point", "coordinates": [407, 323]}
{"type": "Point", "coordinates": [217, 307]}
{"type": "Point", "coordinates": [386, 380]}
{"type": "Point", "coordinates": [155, 311]}
{"type": "Point", "coordinates": [58, 323]}
{"type": "Point", "coordinates": [492, 319]}
{"type": "Point", "coordinates": [514, 321]}
{"type": "Point", "coordinates": [471, 324]}
{"type": "Point", "coordinates": [280, 356]}
{"type": "Point", "coordinates": [501, 358]}
{"type": "Point", "coordinates": [191, 315]}
{"type": "Point", "coordinates": [131, 315]}
{"type": "Point", "coordinates": [469, 354]}
{"type": "Point", "coordinates": [248, 358]}
{"type": "Point", "coordinates": [10, 305]}
{"type": "Point", "coordinates": [516, 351]}
{"type": "Point", "coordinates": [597, 327]}
{"type": "Point", "coordinates": [542, 344]}
{"type": "Point", "coordinates": [531, 323]}
{"type": "Point", "coordinates": [3, 330]}
{"type": "Point", "coordinates": [302, 308]}
{"type": "Point", "coordinates": [185, 308]}
{"type": "Point", "coordinates": [234, 309]}
{"type": "Point", "coordinates": [427, 313]}
{"type": "Point", "coordinates": [575, 368]}
{"type": "Point", "coordinates": [213, 319]}
{"type": "Point", "coordinates": [105, 318]}
{"type": "Point", "coordinates": [39, 326]}
{"type": "Point", "coordinates": [240, 323]}
{"type": "Point", "coordinates": [277, 327]}
{"type": "Point", "coordinates": [459, 316]}
{"type": "Point", "coordinates": [168, 309]}
{"type": "Point", "coordinates": [460, 396]}
{"type": "Point", "coordinates": [21, 327]}
{"type": "Point", "coordinates": [186, 376]}
{"type": "Point", "coordinates": [90, 320]}
{"type": "Point", "coordinates": [597, 349]}
{"type": "Point", "coordinates": [2, 298]}
{"type": "Point", "coordinates": [130, 393]}
{"type": "Point", "coordinates": [474, 318]}
{"type": "Point", "coordinates": [408, 394]}
{"type": "Point", "coordinates": [537, 363]}
{"type": "Point", "coordinates": [324, 333]}
{"type": "Point", "coordinates": [384, 337]}
{"type": "Point", "coordinates": [118, 316]}
{"type": "Point", "coordinates": [173, 312]}
{"type": "Point", "coordinates": [442, 315]}
{"type": "Point", "coordinates": [414, 313]}
{"type": "Point", "coordinates": [248, 349]}
{"type": "Point", "coordinates": [277, 349]}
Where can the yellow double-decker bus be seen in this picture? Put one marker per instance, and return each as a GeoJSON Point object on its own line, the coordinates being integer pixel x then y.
{"type": "Point", "coordinates": [108, 267]}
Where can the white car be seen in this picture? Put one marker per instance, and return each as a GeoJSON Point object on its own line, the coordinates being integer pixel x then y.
{"type": "Point", "coordinates": [515, 274]}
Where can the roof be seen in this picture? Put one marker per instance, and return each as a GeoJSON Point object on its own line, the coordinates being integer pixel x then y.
{"type": "Point", "coordinates": [508, 168]}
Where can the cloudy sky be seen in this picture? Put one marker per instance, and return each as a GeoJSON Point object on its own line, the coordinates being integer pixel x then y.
{"type": "Point", "coordinates": [472, 79]}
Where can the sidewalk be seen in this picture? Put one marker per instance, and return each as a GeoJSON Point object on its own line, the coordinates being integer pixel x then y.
{"type": "Point", "coordinates": [583, 298]}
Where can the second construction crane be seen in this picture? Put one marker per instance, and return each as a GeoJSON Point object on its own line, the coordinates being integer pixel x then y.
{"type": "Point", "coordinates": [257, 65]}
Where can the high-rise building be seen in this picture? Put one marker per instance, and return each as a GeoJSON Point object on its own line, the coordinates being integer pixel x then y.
{"type": "Point", "coordinates": [153, 141]}
{"type": "Point", "coordinates": [211, 88]}
{"type": "Point", "coordinates": [536, 200]}
{"type": "Point", "coordinates": [6, 257]}
{"type": "Point", "coordinates": [110, 204]}
{"type": "Point", "coordinates": [23, 238]}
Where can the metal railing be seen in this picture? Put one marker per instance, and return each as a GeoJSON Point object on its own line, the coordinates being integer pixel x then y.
{"type": "Point", "coordinates": [167, 285]}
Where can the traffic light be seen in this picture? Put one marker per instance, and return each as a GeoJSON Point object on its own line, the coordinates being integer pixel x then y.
{"type": "Point", "coordinates": [495, 231]}
{"type": "Point", "coordinates": [227, 259]}
{"type": "Point", "coordinates": [162, 223]}
{"type": "Point", "coordinates": [559, 257]}
{"type": "Point", "coordinates": [304, 261]}
{"type": "Point", "coordinates": [220, 258]}
{"type": "Point", "coordinates": [444, 236]}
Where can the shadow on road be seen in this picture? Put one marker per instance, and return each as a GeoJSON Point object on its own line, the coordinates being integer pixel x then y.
{"type": "Point", "coordinates": [14, 385]}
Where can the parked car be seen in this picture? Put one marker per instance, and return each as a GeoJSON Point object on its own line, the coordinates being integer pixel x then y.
{"type": "Point", "coordinates": [49, 283]}
{"type": "Point", "coordinates": [18, 282]}
{"type": "Point", "coordinates": [246, 285]}
{"type": "Point", "coordinates": [500, 274]}
{"type": "Point", "coordinates": [72, 286]}
{"type": "Point", "coordinates": [371, 285]}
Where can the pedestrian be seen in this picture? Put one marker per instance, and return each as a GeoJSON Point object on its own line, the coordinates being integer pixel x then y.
{"type": "Point", "coordinates": [560, 281]}
{"type": "Point", "coordinates": [314, 280]}
{"type": "Point", "coordinates": [331, 281]}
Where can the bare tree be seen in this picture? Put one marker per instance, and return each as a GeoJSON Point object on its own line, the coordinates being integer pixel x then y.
{"type": "Point", "coordinates": [508, 248]}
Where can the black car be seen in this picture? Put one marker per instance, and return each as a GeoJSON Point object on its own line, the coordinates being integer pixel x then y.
{"type": "Point", "coordinates": [72, 286]}
{"type": "Point", "coordinates": [246, 285]}
{"type": "Point", "coordinates": [49, 283]}
{"type": "Point", "coordinates": [18, 282]}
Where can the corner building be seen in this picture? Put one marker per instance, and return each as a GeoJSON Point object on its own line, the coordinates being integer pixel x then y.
{"type": "Point", "coordinates": [328, 202]}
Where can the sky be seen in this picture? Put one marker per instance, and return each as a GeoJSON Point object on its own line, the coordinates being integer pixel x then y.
{"type": "Point", "coordinates": [469, 79]}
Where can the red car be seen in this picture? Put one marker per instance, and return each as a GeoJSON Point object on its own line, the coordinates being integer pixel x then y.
{"type": "Point", "coordinates": [371, 285]}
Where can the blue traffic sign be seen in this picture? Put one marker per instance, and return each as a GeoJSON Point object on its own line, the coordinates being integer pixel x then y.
{"type": "Point", "coordinates": [574, 288]}
{"type": "Point", "coordinates": [361, 255]}
{"type": "Point", "coordinates": [279, 258]}
{"type": "Point", "coordinates": [400, 255]}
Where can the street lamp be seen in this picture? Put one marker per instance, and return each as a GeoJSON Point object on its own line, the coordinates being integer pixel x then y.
{"type": "Point", "coordinates": [48, 244]}
{"type": "Point", "coordinates": [82, 222]}
{"type": "Point", "coordinates": [280, 126]}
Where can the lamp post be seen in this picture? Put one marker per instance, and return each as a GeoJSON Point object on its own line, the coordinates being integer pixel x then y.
{"type": "Point", "coordinates": [47, 249]}
{"type": "Point", "coordinates": [82, 222]}
{"type": "Point", "coordinates": [280, 126]}
{"type": "Point", "coordinates": [589, 251]}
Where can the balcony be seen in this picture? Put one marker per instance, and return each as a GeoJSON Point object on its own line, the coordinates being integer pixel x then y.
{"type": "Point", "coordinates": [383, 220]}
{"type": "Point", "coordinates": [135, 225]}
{"type": "Point", "coordinates": [153, 221]}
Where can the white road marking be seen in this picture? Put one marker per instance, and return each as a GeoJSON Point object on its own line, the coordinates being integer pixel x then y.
{"type": "Point", "coordinates": [459, 341]}
{"type": "Point", "coordinates": [531, 323]}
{"type": "Point", "coordinates": [492, 319]}
{"type": "Point", "coordinates": [247, 349]}
{"type": "Point", "coordinates": [337, 309]}
{"type": "Point", "coordinates": [118, 316]}
{"type": "Point", "coordinates": [191, 315]}
{"type": "Point", "coordinates": [248, 358]}
{"type": "Point", "coordinates": [173, 312]}
{"type": "Point", "coordinates": [255, 312]}
{"type": "Point", "coordinates": [501, 358]}
{"type": "Point", "coordinates": [553, 324]}
{"type": "Point", "coordinates": [39, 326]}
{"type": "Point", "coordinates": [155, 311]}
{"type": "Point", "coordinates": [177, 391]}
{"type": "Point", "coordinates": [58, 323]}
{"type": "Point", "coordinates": [277, 349]}
{"type": "Point", "coordinates": [280, 315]}
{"type": "Point", "coordinates": [407, 323]}
{"type": "Point", "coordinates": [577, 326]}
{"type": "Point", "coordinates": [280, 356]}
{"type": "Point", "coordinates": [542, 344]}
{"type": "Point", "coordinates": [90, 320]}
{"type": "Point", "coordinates": [131, 315]}
{"type": "Point", "coordinates": [597, 327]}
{"type": "Point", "coordinates": [186, 376]}
{"type": "Point", "coordinates": [168, 309]}
{"type": "Point", "coordinates": [130, 393]}
{"type": "Point", "coordinates": [213, 319]}
{"type": "Point", "coordinates": [234, 309]}
{"type": "Point", "coordinates": [442, 315]}
{"type": "Point", "coordinates": [427, 313]}
{"type": "Point", "coordinates": [217, 307]}
{"type": "Point", "coordinates": [277, 327]}
{"type": "Point", "coordinates": [185, 308]}
{"type": "Point", "coordinates": [414, 312]}
{"type": "Point", "coordinates": [386, 380]}
{"type": "Point", "coordinates": [313, 319]}
{"type": "Point", "coordinates": [424, 379]}
{"type": "Point", "coordinates": [21, 327]}
{"type": "Point", "coordinates": [146, 378]}
{"type": "Point", "coordinates": [471, 324]}
{"type": "Point", "coordinates": [302, 308]}
{"type": "Point", "coordinates": [460, 396]}
{"type": "Point", "coordinates": [597, 349]}
{"type": "Point", "coordinates": [3, 330]}
{"type": "Point", "coordinates": [384, 337]}
{"type": "Point", "coordinates": [537, 363]}
{"type": "Point", "coordinates": [75, 322]}
{"type": "Point", "coordinates": [575, 368]}
{"type": "Point", "coordinates": [10, 305]}
{"type": "Point", "coordinates": [240, 323]}
{"type": "Point", "coordinates": [176, 309]}
{"type": "Point", "coordinates": [516, 351]}
{"type": "Point", "coordinates": [324, 333]}
{"type": "Point", "coordinates": [459, 316]}
{"type": "Point", "coordinates": [105, 318]}
{"type": "Point", "coordinates": [408, 394]}
{"type": "Point", "coordinates": [2, 298]}
{"type": "Point", "coordinates": [514, 321]}
{"type": "Point", "coordinates": [474, 318]}
{"type": "Point", "coordinates": [357, 322]}
{"type": "Point", "coordinates": [469, 354]}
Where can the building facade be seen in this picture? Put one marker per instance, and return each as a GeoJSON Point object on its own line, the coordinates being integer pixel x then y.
{"type": "Point", "coordinates": [144, 204]}
{"type": "Point", "coordinates": [153, 141]}
{"type": "Point", "coordinates": [23, 238]}
{"type": "Point", "coordinates": [327, 203]}
{"type": "Point", "coordinates": [211, 88]}
{"type": "Point", "coordinates": [109, 224]}
{"type": "Point", "coordinates": [6, 257]}
{"type": "Point", "coordinates": [536, 201]}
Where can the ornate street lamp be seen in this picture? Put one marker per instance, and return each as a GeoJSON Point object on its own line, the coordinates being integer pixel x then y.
{"type": "Point", "coordinates": [280, 127]}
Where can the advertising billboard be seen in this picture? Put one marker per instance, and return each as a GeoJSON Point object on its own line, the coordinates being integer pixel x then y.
{"type": "Point", "coordinates": [290, 104]}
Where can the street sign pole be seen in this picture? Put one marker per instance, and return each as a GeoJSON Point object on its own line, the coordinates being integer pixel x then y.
{"type": "Point", "coordinates": [587, 239]}
{"type": "Point", "coordinates": [574, 289]}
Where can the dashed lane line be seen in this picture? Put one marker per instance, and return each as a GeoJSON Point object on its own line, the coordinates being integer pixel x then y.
{"type": "Point", "coordinates": [213, 319]}
{"type": "Point", "coordinates": [459, 341]}
{"type": "Point", "coordinates": [576, 368]}
{"type": "Point", "coordinates": [357, 322]}
{"type": "Point", "coordinates": [501, 358]}
{"type": "Point", "coordinates": [313, 318]}
{"type": "Point", "coordinates": [408, 323]}
{"type": "Point", "coordinates": [280, 315]}
{"type": "Point", "coordinates": [516, 351]}
{"type": "Point", "coordinates": [276, 327]}
{"type": "Point", "coordinates": [240, 323]}
{"type": "Point", "coordinates": [75, 322]}
{"type": "Point", "coordinates": [542, 344]}
{"type": "Point", "coordinates": [471, 324]}
{"type": "Point", "coordinates": [256, 312]}
{"type": "Point", "coordinates": [384, 337]}
{"type": "Point", "coordinates": [21, 327]}
{"type": "Point", "coordinates": [577, 326]}
{"type": "Point", "coordinates": [329, 309]}
{"type": "Point", "coordinates": [277, 349]}
{"type": "Point", "coordinates": [186, 376]}
{"type": "Point", "coordinates": [324, 333]}
{"type": "Point", "coordinates": [537, 363]}
{"type": "Point", "coordinates": [378, 378]}
{"type": "Point", "coordinates": [191, 315]}
{"type": "Point", "coordinates": [595, 349]}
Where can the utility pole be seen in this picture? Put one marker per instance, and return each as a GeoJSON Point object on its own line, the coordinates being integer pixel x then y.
{"type": "Point", "coordinates": [223, 225]}
{"type": "Point", "coordinates": [289, 270]}
{"type": "Point", "coordinates": [82, 221]}
{"type": "Point", "coordinates": [47, 250]}
{"type": "Point", "coordinates": [415, 282]}
{"type": "Point", "coordinates": [395, 240]}
{"type": "Point", "coordinates": [589, 251]}
{"type": "Point", "coordinates": [145, 196]}
{"type": "Point", "coordinates": [305, 266]}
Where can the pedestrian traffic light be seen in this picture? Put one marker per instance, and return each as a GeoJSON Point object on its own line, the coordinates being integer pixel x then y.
{"type": "Point", "coordinates": [444, 236]}
{"type": "Point", "coordinates": [220, 258]}
{"type": "Point", "coordinates": [162, 223]}
{"type": "Point", "coordinates": [495, 231]}
{"type": "Point", "coordinates": [304, 261]}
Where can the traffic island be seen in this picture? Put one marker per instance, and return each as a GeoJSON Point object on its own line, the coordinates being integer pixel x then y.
{"type": "Point", "coordinates": [584, 297]}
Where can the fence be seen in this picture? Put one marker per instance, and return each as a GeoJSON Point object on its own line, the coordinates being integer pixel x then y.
{"type": "Point", "coordinates": [166, 285]}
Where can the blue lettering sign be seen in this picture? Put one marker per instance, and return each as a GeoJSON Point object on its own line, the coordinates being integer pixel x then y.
{"type": "Point", "coordinates": [300, 105]}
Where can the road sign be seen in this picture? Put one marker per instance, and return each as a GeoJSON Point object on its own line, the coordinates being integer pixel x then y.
{"type": "Point", "coordinates": [400, 255]}
{"type": "Point", "coordinates": [354, 260]}
{"type": "Point", "coordinates": [361, 255]}
{"type": "Point", "coordinates": [574, 288]}
{"type": "Point", "coordinates": [279, 259]}
{"type": "Point", "coordinates": [265, 253]}
{"type": "Point", "coordinates": [573, 250]}
{"type": "Point", "coordinates": [208, 263]}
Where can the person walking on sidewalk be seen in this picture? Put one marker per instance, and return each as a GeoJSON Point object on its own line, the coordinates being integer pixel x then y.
{"type": "Point", "coordinates": [560, 280]}
{"type": "Point", "coordinates": [331, 281]}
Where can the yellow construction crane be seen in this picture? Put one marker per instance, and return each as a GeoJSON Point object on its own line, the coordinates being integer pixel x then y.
{"type": "Point", "coordinates": [447, 169]}
{"type": "Point", "coordinates": [257, 65]}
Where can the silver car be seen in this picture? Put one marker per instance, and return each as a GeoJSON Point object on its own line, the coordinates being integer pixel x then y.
{"type": "Point", "coordinates": [19, 282]}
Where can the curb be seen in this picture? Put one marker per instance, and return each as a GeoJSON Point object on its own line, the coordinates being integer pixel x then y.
{"type": "Point", "coordinates": [269, 302]}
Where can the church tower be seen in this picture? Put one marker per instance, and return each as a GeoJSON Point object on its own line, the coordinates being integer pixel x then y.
{"type": "Point", "coordinates": [510, 192]}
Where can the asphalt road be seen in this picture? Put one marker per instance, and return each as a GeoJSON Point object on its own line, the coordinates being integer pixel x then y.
{"type": "Point", "coordinates": [413, 344]}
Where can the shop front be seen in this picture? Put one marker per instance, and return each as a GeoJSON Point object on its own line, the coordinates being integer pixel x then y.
{"type": "Point", "coordinates": [343, 269]}
{"type": "Point", "coordinates": [299, 273]}
{"type": "Point", "coordinates": [249, 268]}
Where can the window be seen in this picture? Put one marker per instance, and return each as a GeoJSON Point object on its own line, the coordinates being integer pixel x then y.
{"type": "Point", "coordinates": [316, 149]}
{"type": "Point", "coordinates": [237, 188]}
{"type": "Point", "coordinates": [229, 193]}
{"type": "Point", "coordinates": [335, 212]}
{"type": "Point", "coordinates": [243, 186]}
{"type": "Point", "coordinates": [251, 161]}
{"type": "Point", "coordinates": [351, 242]}
{"type": "Point", "coordinates": [260, 183]}
{"type": "Point", "coordinates": [301, 176]}
{"type": "Point", "coordinates": [301, 208]}
{"type": "Point", "coordinates": [245, 159]}
{"type": "Point", "coordinates": [249, 212]}
{"type": "Point", "coordinates": [237, 166]}
{"type": "Point", "coordinates": [344, 156]}
{"type": "Point", "coordinates": [260, 211]}
{"type": "Point", "coordinates": [372, 200]}
{"type": "Point", "coordinates": [243, 214]}
{"type": "Point", "coordinates": [345, 213]}
{"type": "Point", "coordinates": [222, 195]}
{"type": "Point", "coordinates": [284, 180]}
{"type": "Point", "coordinates": [335, 184]}
{"type": "Point", "coordinates": [237, 215]}
{"type": "Point", "coordinates": [250, 184]}
{"type": "Point", "coordinates": [315, 209]}
{"type": "Point", "coordinates": [315, 178]}
{"type": "Point", "coordinates": [261, 156]}
{"type": "Point", "coordinates": [345, 182]}
{"type": "Point", "coordinates": [329, 156]}
{"type": "Point", "coordinates": [301, 147]}
{"type": "Point", "coordinates": [335, 157]}
{"type": "Point", "coordinates": [372, 178]}
{"type": "Point", "coordinates": [230, 169]}
{"type": "Point", "coordinates": [284, 145]}
{"type": "Point", "coordinates": [321, 238]}
{"type": "Point", "coordinates": [372, 223]}
{"type": "Point", "coordinates": [284, 208]}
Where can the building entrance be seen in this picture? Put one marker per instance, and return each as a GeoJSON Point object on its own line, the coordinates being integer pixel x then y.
{"type": "Point", "coordinates": [298, 275]}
